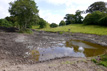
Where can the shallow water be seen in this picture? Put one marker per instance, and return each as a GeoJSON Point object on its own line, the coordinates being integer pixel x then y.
{"type": "Point", "coordinates": [72, 48]}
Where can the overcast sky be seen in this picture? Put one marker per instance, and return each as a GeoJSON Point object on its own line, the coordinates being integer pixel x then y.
{"type": "Point", "coordinates": [52, 10]}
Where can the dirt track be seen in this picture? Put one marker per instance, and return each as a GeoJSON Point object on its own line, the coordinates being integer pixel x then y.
{"type": "Point", "coordinates": [14, 45]}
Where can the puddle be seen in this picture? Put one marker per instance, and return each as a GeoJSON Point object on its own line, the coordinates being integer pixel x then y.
{"type": "Point", "coordinates": [72, 48]}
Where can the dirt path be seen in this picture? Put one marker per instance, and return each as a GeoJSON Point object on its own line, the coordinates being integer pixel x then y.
{"type": "Point", "coordinates": [13, 47]}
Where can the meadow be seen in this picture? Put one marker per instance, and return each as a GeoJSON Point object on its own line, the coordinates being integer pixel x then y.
{"type": "Point", "coordinates": [77, 28]}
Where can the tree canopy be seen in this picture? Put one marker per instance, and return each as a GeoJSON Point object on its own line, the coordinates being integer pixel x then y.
{"type": "Point", "coordinates": [73, 18]}
{"type": "Point", "coordinates": [62, 23]}
{"type": "Point", "coordinates": [95, 17]}
{"type": "Point", "coordinates": [97, 6]}
{"type": "Point", "coordinates": [26, 12]}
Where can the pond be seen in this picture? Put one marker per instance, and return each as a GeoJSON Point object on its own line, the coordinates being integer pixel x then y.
{"type": "Point", "coordinates": [71, 48]}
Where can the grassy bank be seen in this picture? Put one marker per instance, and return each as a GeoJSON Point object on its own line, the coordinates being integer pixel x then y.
{"type": "Point", "coordinates": [101, 60]}
{"type": "Point", "coordinates": [78, 28]}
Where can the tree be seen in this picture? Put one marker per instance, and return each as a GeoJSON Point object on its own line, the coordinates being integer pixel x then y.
{"type": "Point", "coordinates": [78, 17]}
{"type": "Point", "coordinates": [103, 21]}
{"type": "Point", "coordinates": [74, 18]}
{"type": "Point", "coordinates": [62, 23]}
{"type": "Point", "coordinates": [93, 19]}
{"type": "Point", "coordinates": [53, 25]}
{"type": "Point", "coordinates": [26, 12]}
{"type": "Point", "coordinates": [70, 18]}
{"type": "Point", "coordinates": [97, 6]}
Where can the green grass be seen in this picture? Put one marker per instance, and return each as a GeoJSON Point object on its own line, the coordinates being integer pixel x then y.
{"type": "Point", "coordinates": [27, 31]}
{"type": "Point", "coordinates": [101, 60]}
{"type": "Point", "coordinates": [78, 28]}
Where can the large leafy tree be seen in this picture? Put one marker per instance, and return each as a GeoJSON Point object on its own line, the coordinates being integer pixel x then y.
{"type": "Point", "coordinates": [97, 6]}
{"type": "Point", "coordinates": [73, 18]}
{"type": "Point", "coordinates": [26, 12]}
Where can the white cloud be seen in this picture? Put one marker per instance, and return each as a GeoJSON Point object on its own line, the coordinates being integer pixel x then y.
{"type": "Point", "coordinates": [4, 6]}
{"type": "Point", "coordinates": [71, 7]}
{"type": "Point", "coordinates": [50, 17]}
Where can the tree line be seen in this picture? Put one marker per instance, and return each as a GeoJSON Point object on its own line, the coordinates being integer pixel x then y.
{"type": "Point", "coordinates": [97, 15]}
{"type": "Point", "coordinates": [24, 14]}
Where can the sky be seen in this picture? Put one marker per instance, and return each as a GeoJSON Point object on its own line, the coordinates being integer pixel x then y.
{"type": "Point", "coordinates": [53, 11]}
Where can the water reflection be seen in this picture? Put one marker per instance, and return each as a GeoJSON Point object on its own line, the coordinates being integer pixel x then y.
{"type": "Point", "coordinates": [72, 48]}
{"type": "Point", "coordinates": [90, 49]}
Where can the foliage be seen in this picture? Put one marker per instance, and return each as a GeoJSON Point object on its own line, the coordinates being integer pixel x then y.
{"type": "Point", "coordinates": [42, 23]}
{"type": "Point", "coordinates": [78, 28]}
{"type": "Point", "coordinates": [5, 23]}
{"type": "Point", "coordinates": [101, 60]}
{"type": "Point", "coordinates": [74, 18]}
{"type": "Point", "coordinates": [62, 23]}
{"type": "Point", "coordinates": [25, 11]}
{"type": "Point", "coordinates": [93, 19]}
{"type": "Point", "coordinates": [53, 25]}
{"type": "Point", "coordinates": [78, 17]}
{"type": "Point", "coordinates": [28, 31]}
{"type": "Point", "coordinates": [70, 18]}
{"type": "Point", "coordinates": [97, 6]}
{"type": "Point", "coordinates": [103, 21]}
{"type": "Point", "coordinates": [11, 19]}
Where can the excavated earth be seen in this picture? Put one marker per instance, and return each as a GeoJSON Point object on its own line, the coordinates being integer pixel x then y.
{"type": "Point", "coordinates": [13, 47]}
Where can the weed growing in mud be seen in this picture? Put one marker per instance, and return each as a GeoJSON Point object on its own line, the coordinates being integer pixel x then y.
{"type": "Point", "coordinates": [101, 60]}
{"type": "Point", "coordinates": [61, 32]}
{"type": "Point", "coordinates": [68, 62]}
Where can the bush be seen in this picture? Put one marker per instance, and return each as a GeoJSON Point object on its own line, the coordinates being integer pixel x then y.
{"type": "Point", "coordinates": [93, 19]}
{"type": "Point", "coordinates": [5, 23]}
{"type": "Point", "coordinates": [62, 23]}
{"type": "Point", "coordinates": [103, 21]}
{"type": "Point", "coordinates": [53, 25]}
{"type": "Point", "coordinates": [42, 23]}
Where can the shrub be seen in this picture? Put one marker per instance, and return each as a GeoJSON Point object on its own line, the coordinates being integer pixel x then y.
{"type": "Point", "coordinates": [42, 23]}
{"type": "Point", "coordinates": [103, 21]}
{"type": "Point", "coordinates": [5, 23]}
{"type": "Point", "coordinates": [62, 23]}
{"type": "Point", "coordinates": [53, 25]}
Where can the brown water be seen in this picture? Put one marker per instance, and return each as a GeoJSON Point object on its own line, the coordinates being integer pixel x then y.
{"type": "Point", "coordinates": [72, 48]}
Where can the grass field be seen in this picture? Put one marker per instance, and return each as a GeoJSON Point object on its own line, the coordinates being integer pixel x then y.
{"type": "Point", "coordinates": [78, 28]}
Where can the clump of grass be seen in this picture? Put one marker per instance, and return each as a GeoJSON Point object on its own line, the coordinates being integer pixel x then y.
{"type": "Point", "coordinates": [61, 32]}
{"type": "Point", "coordinates": [28, 31]}
{"type": "Point", "coordinates": [68, 62]}
{"type": "Point", "coordinates": [101, 60]}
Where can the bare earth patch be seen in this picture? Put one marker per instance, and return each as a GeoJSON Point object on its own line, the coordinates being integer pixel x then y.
{"type": "Point", "coordinates": [13, 47]}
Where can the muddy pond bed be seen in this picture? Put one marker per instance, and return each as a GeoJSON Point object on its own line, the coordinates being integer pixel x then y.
{"type": "Point", "coordinates": [43, 46]}
{"type": "Point", "coordinates": [70, 48]}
